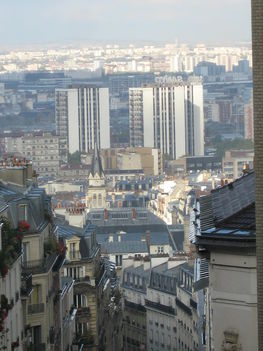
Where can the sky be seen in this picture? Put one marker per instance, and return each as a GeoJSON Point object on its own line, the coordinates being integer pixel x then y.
{"type": "Point", "coordinates": [213, 22]}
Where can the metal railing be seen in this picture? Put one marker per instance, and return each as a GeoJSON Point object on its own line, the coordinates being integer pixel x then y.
{"type": "Point", "coordinates": [160, 307]}
{"type": "Point", "coordinates": [39, 266]}
{"type": "Point", "coordinates": [83, 312]}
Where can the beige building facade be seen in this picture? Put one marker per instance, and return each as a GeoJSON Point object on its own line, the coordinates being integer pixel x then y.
{"type": "Point", "coordinates": [236, 161]}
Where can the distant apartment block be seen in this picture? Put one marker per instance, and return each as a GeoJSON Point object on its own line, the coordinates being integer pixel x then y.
{"type": "Point", "coordinates": [249, 121]}
{"type": "Point", "coordinates": [46, 151]}
{"type": "Point", "coordinates": [236, 161]}
{"type": "Point", "coordinates": [168, 116]}
{"type": "Point", "coordinates": [147, 159]}
{"type": "Point", "coordinates": [82, 117]}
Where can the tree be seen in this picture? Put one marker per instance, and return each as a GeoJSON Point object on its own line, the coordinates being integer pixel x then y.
{"type": "Point", "coordinates": [74, 158]}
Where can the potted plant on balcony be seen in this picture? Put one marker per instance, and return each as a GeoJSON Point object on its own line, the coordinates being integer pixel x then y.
{"type": "Point", "coordinates": [23, 226]}
{"type": "Point", "coordinates": [11, 246]}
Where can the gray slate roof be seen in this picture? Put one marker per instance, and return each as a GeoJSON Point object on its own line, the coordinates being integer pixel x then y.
{"type": "Point", "coordinates": [124, 247]}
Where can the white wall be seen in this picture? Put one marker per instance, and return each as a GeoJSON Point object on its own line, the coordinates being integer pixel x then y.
{"type": "Point", "coordinates": [104, 118]}
{"type": "Point", "coordinates": [148, 134]}
{"type": "Point", "coordinates": [233, 289]}
{"type": "Point", "coordinates": [73, 123]}
{"type": "Point", "coordinates": [198, 119]}
{"type": "Point", "coordinates": [179, 120]}
{"type": "Point", "coordinates": [155, 153]}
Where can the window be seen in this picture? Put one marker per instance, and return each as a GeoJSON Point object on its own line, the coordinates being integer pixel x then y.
{"type": "Point", "coordinates": [160, 249]}
{"type": "Point", "coordinates": [74, 272]}
{"type": "Point", "coordinates": [22, 212]}
{"type": "Point", "coordinates": [100, 200]}
{"type": "Point", "coordinates": [25, 252]}
{"type": "Point", "coordinates": [94, 200]}
{"type": "Point", "coordinates": [73, 250]}
{"type": "Point", "coordinates": [80, 300]}
{"type": "Point", "coordinates": [36, 296]}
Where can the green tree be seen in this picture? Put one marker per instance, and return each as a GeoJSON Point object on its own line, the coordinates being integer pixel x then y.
{"type": "Point", "coordinates": [74, 158]}
{"type": "Point", "coordinates": [236, 144]}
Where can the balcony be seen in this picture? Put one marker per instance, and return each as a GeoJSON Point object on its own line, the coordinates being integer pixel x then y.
{"type": "Point", "coordinates": [158, 306]}
{"type": "Point", "coordinates": [102, 276]}
{"type": "Point", "coordinates": [82, 315]}
{"type": "Point", "coordinates": [193, 304]}
{"type": "Point", "coordinates": [183, 307]}
{"type": "Point", "coordinates": [26, 284]}
{"type": "Point", "coordinates": [39, 266]}
{"type": "Point", "coordinates": [36, 308]}
{"type": "Point", "coordinates": [135, 306]}
{"type": "Point", "coordinates": [84, 340]}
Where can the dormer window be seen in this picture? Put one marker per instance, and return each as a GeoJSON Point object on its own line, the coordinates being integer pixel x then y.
{"type": "Point", "coordinates": [22, 212]}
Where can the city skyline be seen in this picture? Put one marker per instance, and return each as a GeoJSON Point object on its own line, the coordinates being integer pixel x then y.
{"type": "Point", "coordinates": [117, 21]}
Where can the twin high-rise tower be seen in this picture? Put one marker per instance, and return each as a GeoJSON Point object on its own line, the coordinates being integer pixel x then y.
{"type": "Point", "coordinates": [83, 117]}
{"type": "Point", "coordinates": [167, 115]}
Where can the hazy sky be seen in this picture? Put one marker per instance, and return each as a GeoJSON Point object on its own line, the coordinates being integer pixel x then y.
{"type": "Point", "coordinates": [67, 21]}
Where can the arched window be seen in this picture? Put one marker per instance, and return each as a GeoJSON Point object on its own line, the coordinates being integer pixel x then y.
{"type": "Point", "coordinates": [94, 202]}
{"type": "Point", "coordinates": [99, 200]}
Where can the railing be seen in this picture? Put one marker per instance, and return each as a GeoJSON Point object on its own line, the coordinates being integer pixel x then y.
{"type": "Point", "coordinates": [26, 284]}
{"type": "Point", "coordinates": [185, 308]}
{"type": "Point", "coordinates": [193, 304]}
{"type": "Point", "coordinates": [83, 312]}
{"type": "Point", "coordinates": [39, 266]}
{"type": "Point", "coordinates": [134, 306]}
{"type": "Point", "coordinates": [102, 275]}
{"type": "Point", "coordinates": [84, 340]}
{"type": "Point", "coordinates": [36, 308]}
{"type": "Point", "coordinates": [158, 306]}
{"type": "Point", "coordinates": [85, 279]}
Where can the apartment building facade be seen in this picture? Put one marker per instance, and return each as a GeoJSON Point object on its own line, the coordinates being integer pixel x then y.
{"type": "Point", "coordinates": [82, 117]}
{"type": "Point", "coordinates": [235, 162]}
{"type": "Point", "coordinates": [46, 150]}
{"type": "Point", "coordinates": [168, 116]}
{"type": "Point", "coordinates": [39, 299]}
{"type": "Point", "coordinates": [97, 315]}
{"type": "Point", "coordinates": [134, 288]}
{"type": "Point", "coordinates": [171, 308]}
{"type": "Point", "coordinates": [224, 232]}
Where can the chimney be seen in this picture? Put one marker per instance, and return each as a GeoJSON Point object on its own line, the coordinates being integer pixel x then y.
{"type": "Point", "coordinates": [111, 238]}
{"type": "Point", "coordinates": [148, 239]}
{"type": "Point", "coordinates": [106, 214]}
{"type": "Point", "coordinates": [246, 169]}
{"type": "Point", "coordinates": [133, 213]}
{"type": "Point", "coordinates": [146, 263]}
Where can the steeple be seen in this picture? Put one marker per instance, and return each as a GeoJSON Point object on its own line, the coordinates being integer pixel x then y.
{"type": "Point", "coordinates": [96, 166]}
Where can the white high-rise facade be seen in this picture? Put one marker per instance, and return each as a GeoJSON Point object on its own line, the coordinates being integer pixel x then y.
{"type": "Point", "coordinates": [169, 116]}
{"type": "Point", "coordinates": [83, 118]}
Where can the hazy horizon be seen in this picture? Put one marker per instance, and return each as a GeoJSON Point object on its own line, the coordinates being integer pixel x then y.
{"type": "Point", "coordinates": [64, 22]}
